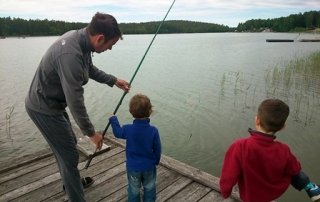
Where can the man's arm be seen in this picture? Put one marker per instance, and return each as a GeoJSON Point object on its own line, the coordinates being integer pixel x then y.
{"type": "Point", "coordinates": [71, 77]}
{"type": "Point", "coordinates": [101, 76]}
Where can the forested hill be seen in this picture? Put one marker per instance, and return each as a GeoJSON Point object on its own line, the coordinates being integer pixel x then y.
{"type": "Point", "coordinates": [20, 27]}
{"type": "Point", "coordinates": [173, 26]}
{"type": "Point", "coordinates": [292, 23]}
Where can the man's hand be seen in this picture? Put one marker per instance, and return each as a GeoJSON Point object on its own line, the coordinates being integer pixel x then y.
{"type": "Point", "coordinates": [97, 140]}
{"type": "Point", "coordinates": [122, 84]}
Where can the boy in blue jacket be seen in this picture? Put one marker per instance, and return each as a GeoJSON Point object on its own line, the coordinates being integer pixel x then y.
{"type": "Point", "coordinates": [143, 149]}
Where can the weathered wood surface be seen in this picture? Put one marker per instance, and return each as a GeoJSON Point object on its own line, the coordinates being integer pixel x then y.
{"type": "Point", "coordinates": [36, 178]}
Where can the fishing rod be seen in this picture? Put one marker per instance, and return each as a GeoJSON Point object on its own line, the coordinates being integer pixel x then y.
{"type": "Point", "coordinates": [96, 153]}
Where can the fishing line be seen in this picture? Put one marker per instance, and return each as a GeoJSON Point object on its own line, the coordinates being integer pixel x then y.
{"type": "Point", "coordinates": [96, 153]}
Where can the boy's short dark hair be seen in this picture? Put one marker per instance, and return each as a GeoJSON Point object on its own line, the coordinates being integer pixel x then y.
{"type": "Point", "coordinates": [105, 24]}
{"type": "Point", "coordinates": [273, 114]}
{"type": "Point", "coordinates": [140, 106]}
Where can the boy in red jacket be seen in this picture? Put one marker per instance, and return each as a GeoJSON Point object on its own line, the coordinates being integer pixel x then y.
{"type": "Point", "coordinates": [262, 167]}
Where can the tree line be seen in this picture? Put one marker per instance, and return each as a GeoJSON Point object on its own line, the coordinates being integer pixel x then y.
{"type": "Point", "coordinates": [295, 22]}
{"type": "Point", "coordinates": [21, 27]}
{"type": "Point", "coordinates": [172, 26]}
{"type": "Point", "coordinates": [292, 23]}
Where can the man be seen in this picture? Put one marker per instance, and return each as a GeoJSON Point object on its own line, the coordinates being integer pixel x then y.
{"type": "Point", "coordinates": [58, 81]}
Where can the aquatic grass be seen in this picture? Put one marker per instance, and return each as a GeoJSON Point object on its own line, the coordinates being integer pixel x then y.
{"type": "Point", "coordinates": [254, 94]}
{"type": "Point", "coordinates": [299, 80]}
{"type": "Point", "coordinates": [237, 88]}
{"type": "Point", "coordinates": [296, 82]}
{"type": "Point", "coordinates": [246, 106]}
{"type": "Point", "coordinates": [304, 72]}
{"type": "Point", "coordinates": [222, 84]}
{"type": "Point", "coordinates": [307, 72]}
{"type": "Point", "coordinates": [8, 123]}
{"type": "Point", "coordinates": [287, 79]}
{"type": "Point", "coordinates": [272, 81]}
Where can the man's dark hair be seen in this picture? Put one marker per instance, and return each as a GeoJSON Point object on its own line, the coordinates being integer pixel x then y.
{"type": "Point", "coordinates": [140, 106]}
{"type": "Point", "coordinates": [105, 24]}
{"type": "Point", "coordinates": [273, 114]}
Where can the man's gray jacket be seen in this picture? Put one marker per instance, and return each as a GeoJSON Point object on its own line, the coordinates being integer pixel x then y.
{"type": "Point", "coordinates": [58, 81]}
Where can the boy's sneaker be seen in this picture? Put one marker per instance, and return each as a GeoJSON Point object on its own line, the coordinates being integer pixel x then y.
{"type": "Point", "coordinates": [314, 193]}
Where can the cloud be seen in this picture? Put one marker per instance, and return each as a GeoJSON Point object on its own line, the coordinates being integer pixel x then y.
{"type": "Point", "coordinates": [229, 12]}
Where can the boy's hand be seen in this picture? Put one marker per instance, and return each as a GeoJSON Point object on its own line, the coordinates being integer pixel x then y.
{"type": "Point", "coordinates": [97, 140]}
{"type": "Point", "coordinates": [111, 115]}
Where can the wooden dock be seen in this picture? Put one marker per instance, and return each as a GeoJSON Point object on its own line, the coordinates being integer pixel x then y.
{"type": "Point", "coordinates": [36, 178]}
{"type": "Point", "coordinates": [309, 40]}
{"type": "Point", "coordinates": [279, 40]}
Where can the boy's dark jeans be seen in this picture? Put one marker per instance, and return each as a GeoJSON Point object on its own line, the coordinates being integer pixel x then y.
{"type": "Point", "coordinates": [147, 179]}
{"type": "Point", "coordinates": [58, 133]}
{"type": "Point", "coordinates": [300, 181]}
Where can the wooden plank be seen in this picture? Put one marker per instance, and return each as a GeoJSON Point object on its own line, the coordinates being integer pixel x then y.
{"type": "Point", "coordinates": [279, 40]}
{"type": "Point", "coordinates": [42, 194]}
{"type": "Point", "coordinates": [110, 172]}
{"type": "Point", "coordinates": [216, 197]}
{"type": "Point", "coordinates": [28, 178]}
{"type": "Point", "coordinates": [191, 172]}
{"type": "Point", "coordinates": [99, 185]}
{"type": "Point", "coordinates": [33, 190]}
{"type": "Point", "coordinates": [30, 162]}
{"type": "Point", "coordinates": [26, 159]}
{"type": "Point", "coordinates": [53, 191]}
{"type": "Point", "coordinates": [14, 173]}
{"type": "Point", "coordinates": [29, 187]}
{"type": "Point", "coordinates": [107, 187]}
{"type": "Point", "coordinates": [194, 174]}
{"type": "Point", "coordinates": [120, 195]}
{"type": "Point", "coordinates": [182, 168]}
{"type": "Point", "coordinates": [102, 157]}
{"type": "Point", "coordinates": [186, 170]}
{"type": "Point", "coordinates": [166, 178]}
{"type": "Point", "coordinates": [176, 181]}
{"type": "Point", "coordinates": [192, 192]}
{"type": "Point", "coordinates": [309, 40]}
{"type": "Point", "coordinates": [101, 166]}
{"type": "Point", "coordinates": [174, 188]}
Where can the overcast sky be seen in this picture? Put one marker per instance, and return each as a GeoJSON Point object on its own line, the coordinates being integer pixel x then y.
{"type": "Point", "coordinates": [226, 12]}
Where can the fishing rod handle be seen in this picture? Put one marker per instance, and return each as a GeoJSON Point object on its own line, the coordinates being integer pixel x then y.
{"type": "Point", "coordinates": [105, 130]}
{"type": "Point", "coordinates": [104, 133]}
{"type": "Point", "coordinates": [89, 161]}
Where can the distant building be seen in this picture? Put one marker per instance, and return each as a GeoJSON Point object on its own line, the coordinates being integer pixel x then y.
{"type": "Point", "coordinates": [266, 30]}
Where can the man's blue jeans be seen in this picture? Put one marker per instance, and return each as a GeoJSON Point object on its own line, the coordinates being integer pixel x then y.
{"type": "Point", "coordinates": [147, 179]}
{"type": "Point", "coordinates": [58, 133]}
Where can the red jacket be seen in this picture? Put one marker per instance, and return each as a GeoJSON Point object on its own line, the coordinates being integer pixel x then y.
{"type": "Point", "coordinates": [261, 166]}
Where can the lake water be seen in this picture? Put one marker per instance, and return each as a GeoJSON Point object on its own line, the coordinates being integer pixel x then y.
{"type": "Point", "coordinates": [205, 89]}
